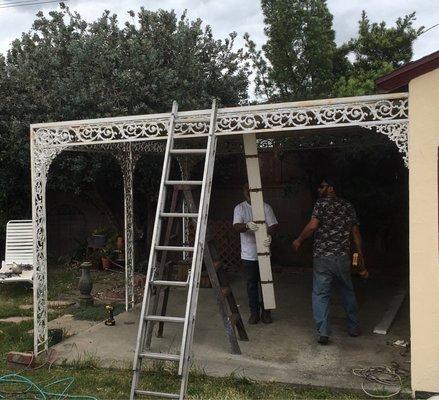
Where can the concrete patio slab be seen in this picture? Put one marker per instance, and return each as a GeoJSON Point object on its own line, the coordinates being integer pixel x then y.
{"type": "Point", "coordinates": [70, 325]}
{"type": "Point", "coordinates": [284, 351]}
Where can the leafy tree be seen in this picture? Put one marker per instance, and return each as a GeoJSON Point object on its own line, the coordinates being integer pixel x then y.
{"type": "Point", "coordinates": [377, 50]}
{"type": "Point", "coordinates": [299, 52]}
{"type": "Point", "coordinates": [65, 68]}
{"type": "Point", "coordinates": [301, 61]}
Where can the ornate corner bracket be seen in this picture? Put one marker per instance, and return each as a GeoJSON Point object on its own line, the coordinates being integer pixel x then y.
{"type": "Point", "coordinates": [397, 133]}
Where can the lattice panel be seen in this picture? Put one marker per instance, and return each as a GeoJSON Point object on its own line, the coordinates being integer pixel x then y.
{"type": "Point", "coordinates": [227, 243]}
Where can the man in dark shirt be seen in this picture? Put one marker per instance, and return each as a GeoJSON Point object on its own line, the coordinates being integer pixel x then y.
{"type": "Point", "coordinates": [333, 221]}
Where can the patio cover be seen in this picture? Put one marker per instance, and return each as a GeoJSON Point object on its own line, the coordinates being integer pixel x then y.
{"type": "Point", "coordinates": [127, 138]}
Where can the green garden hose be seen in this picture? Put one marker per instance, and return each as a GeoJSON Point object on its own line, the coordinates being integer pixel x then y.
{"type": "Point", "coordinates": [40, 392]}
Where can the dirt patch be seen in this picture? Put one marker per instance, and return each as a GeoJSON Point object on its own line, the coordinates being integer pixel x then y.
{"type": "Point", "coordinates": [116, 294]}
{"type": "Point", "coordinates": [60, 303]}
{"type": "Point", "coordinates": [16, 320]}
{"type": "Point", "coordinates": [70, 325]}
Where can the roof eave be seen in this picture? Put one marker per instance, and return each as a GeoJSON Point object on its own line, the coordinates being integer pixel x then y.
{"type": "Point", "coordinates": [400, 78]}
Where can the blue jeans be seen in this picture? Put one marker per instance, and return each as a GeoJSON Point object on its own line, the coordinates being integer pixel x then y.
{"type": "Point", "coordinates": [326, 271]}
{"type": "Point", "coordinates": [251, 270]}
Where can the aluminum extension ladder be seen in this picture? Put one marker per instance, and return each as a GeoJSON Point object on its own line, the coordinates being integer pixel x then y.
{"type": "Point", "coordinates": [193, 281]}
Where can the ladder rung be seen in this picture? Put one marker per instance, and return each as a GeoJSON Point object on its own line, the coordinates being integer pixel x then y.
{"type": "Point", "coordinates": [164, 318]}
{"type": "Point", "coordinates": [160, 356]}
{"type": "Point", "coordinates": [170, 283]}
{"type": "Point", "coordinates": [184, 183]}
{"type": "Point", "coordinates": [157, 394]}
{"type": "Point", "coordinates": [179, 215]}
{"type": "Point", "coordinates": [174, 248]}
{"type": "Point", "coordinates": [188, 151]}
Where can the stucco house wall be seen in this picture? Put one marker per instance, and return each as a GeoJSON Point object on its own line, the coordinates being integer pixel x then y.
{"type": "Point", "coordinates": [424, 265]}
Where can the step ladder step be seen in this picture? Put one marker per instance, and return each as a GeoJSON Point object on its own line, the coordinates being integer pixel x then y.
{"type": "Point", "coordinates": [225, 290]}
{"type": "Point", "coordinates": [164, 318]}
{"type": "Point", "coordinates": [234, 318]}
{"type": "Point", "coordinates": [175, 248]}
{"type": "Point", "coordinates": [178, 215]}
{"type": "Point", "coordinates": [188, 151]}
{"type": "Point", "coordinates": [170, 283]}
{"type": "Point", "coordinates": [193, 183]}
{"type": "Point", "coordinates": [157, 394]}
{"type": "Point", "coordinates": [160, 356]}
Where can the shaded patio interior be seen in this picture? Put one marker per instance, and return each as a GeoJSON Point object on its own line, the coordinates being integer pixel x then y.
{"type": "Point", "coordinates": [285, 351]}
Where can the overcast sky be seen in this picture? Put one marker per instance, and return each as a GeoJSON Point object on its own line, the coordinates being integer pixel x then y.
{"type": "Point", "coordinates": [238, 15]}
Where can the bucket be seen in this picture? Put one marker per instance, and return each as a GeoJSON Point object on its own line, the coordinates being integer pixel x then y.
{"type": "Point", "coordinates": [98, 240]}
{"type": "Point", "coordinates": [55, 336]}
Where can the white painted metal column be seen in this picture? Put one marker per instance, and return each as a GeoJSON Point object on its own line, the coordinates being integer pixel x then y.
{"type": "Point", "coordinates": [257, 203]}
{"type": "Point", "coordinates": [41, 158]}
{"type": "Point", "coordinates": [127, 166]}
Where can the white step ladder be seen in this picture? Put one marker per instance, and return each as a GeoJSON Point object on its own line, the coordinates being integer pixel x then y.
{"type": "Point", "coordinates": [193, 281]}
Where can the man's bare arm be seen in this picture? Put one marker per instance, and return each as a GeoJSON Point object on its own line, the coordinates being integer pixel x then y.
{"type": "Point", "coordinates": [272, 229]}
{"type": "Point", "coordinates": [309, 229]}
{"type": "Point", "coordinates": [357, 239]}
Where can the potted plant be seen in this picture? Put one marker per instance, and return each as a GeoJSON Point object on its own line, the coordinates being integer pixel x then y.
{"type": "Point", "coordinates": [110, 251]}
{"type": "Point", "coordinates": [98, 238]}
{"type": "Point", "coordinates": [105, 259]}
{"type": "Point", "coordinates": [106, 254]}
{"type": "Point", "coordinates": [119, 251]}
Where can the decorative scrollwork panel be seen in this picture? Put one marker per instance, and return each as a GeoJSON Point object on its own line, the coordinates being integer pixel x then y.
{"type": "Point", "coordinates": [325, 115]}
{"type": "Point", "coordinates": [40, 164]}
{"type": "Point", "coordinates": [397, 133]}
{"type": "Point", "coordinates": [237, 120]}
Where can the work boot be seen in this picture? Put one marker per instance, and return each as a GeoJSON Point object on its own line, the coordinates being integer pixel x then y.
{"type": "Point", "coordinates": [266, 317]}
{"type": "Point", "coordinates": [323, 340]}
{"type": "Point", "coordinates": [254, 319]}
{"type": "Point", "coordinates": [355, 332]}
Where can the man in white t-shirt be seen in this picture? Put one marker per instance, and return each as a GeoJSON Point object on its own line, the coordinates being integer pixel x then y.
{"type": "Point", "coordinates": [244, 224]}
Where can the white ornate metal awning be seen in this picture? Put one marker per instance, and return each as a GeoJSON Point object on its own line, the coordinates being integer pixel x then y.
{"type": "Point", "coordinates": [129, 137]}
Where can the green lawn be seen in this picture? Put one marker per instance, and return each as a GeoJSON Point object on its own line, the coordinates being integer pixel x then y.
{"type": "Point", "coordinates": [114, 383]}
